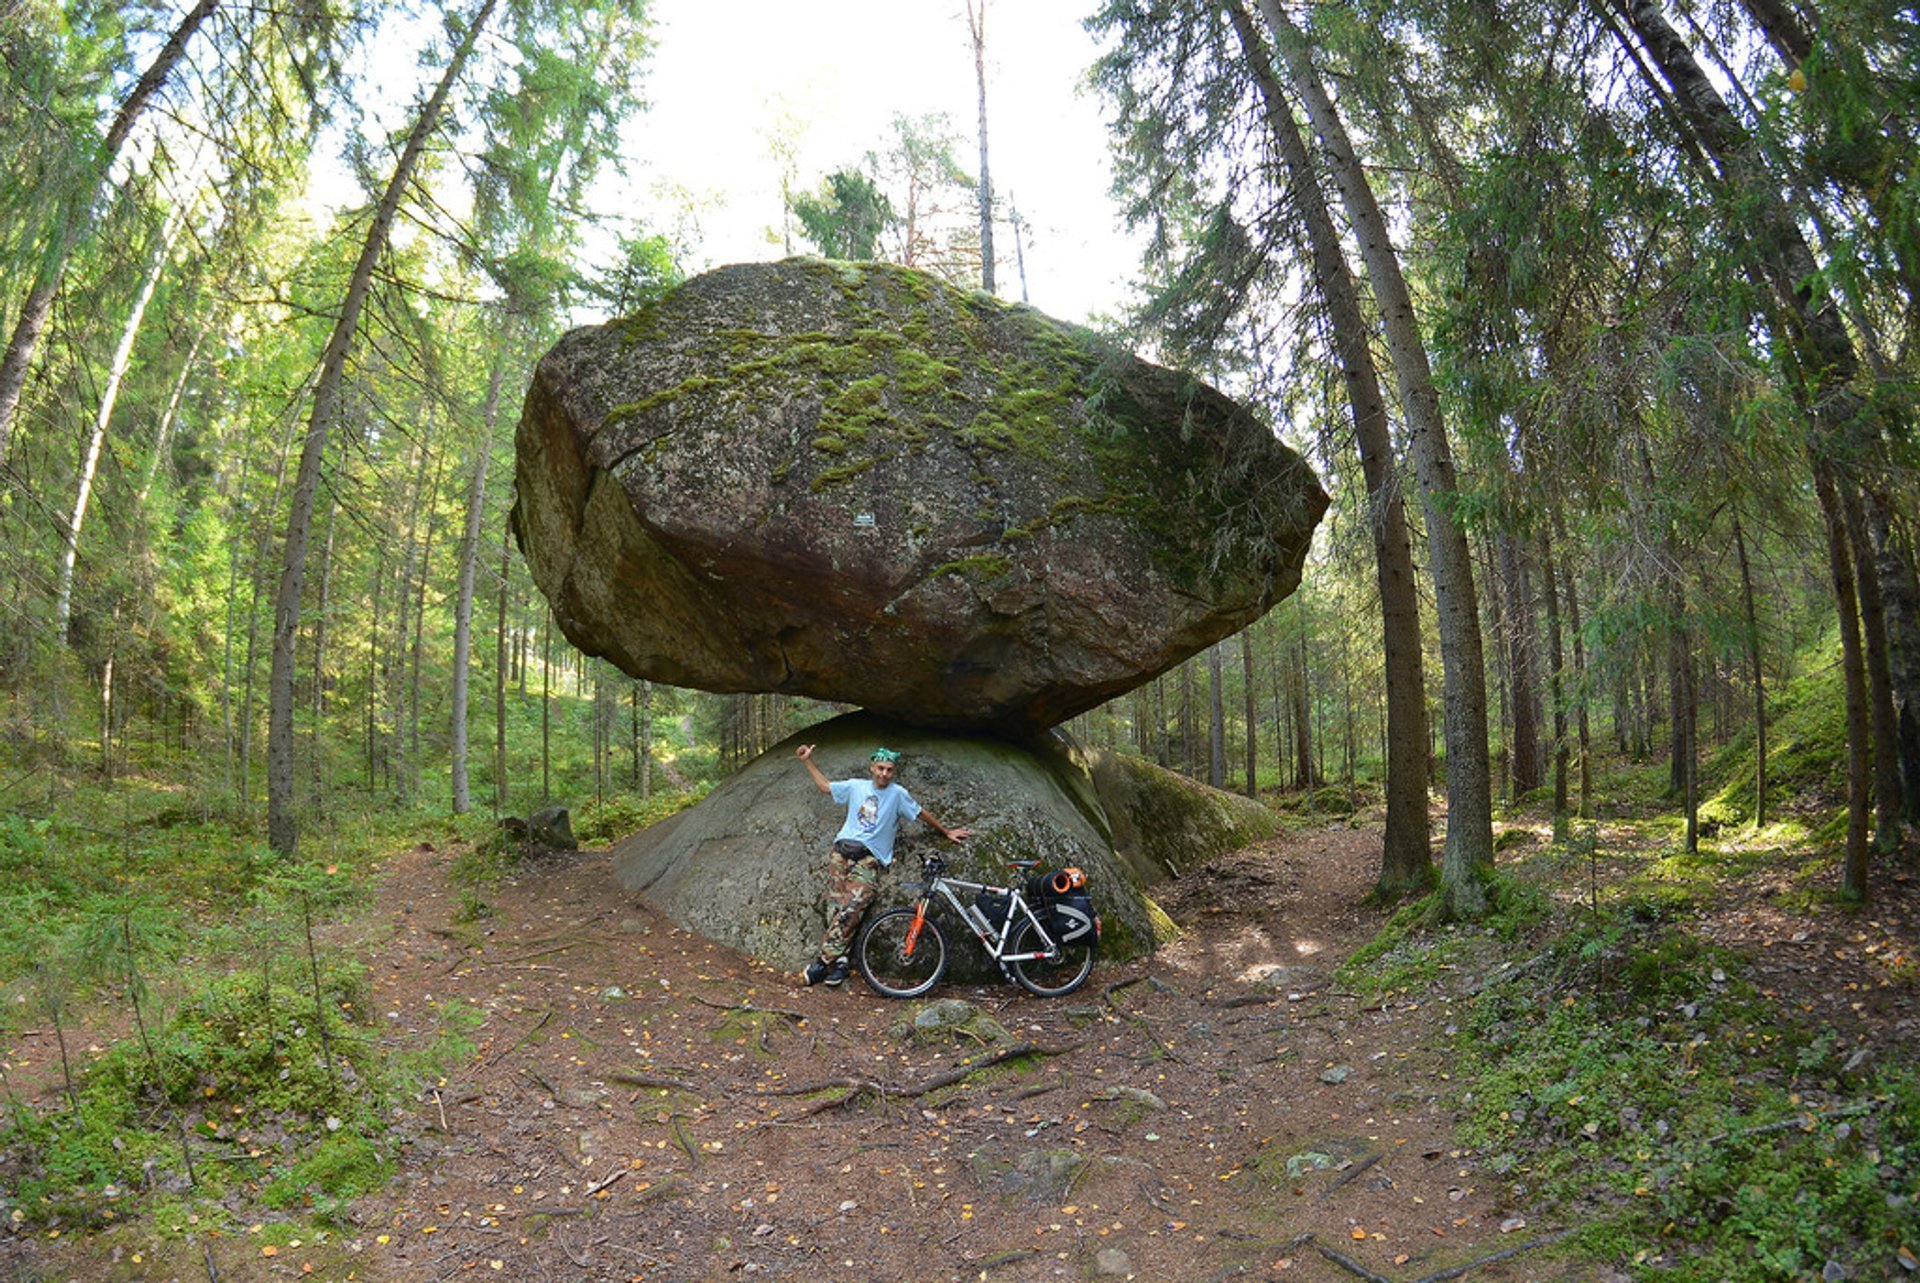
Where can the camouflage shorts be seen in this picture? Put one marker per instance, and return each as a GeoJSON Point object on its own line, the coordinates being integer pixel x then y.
{"type": "Point", "coordinates": [851, 886]}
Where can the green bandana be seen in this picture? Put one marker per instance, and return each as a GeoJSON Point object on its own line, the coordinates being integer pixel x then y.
{"type": "Point", "coordinates": [884, 755]}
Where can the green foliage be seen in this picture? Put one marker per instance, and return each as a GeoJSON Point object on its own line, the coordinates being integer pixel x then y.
{"type": "Point", "coordinates": [242, 1058]}
{"type": "Point", "coordinates": [337, 1170]}
{"type": "Point", "coordinates": [846, 218]}
{"type": "Point", "coordinates": [1806, 750]}
{"type": "Point", "coordinates": [619, 815]}
{"type": "Point", "coordinates": [1416, 946]}
{"type": "Point", "coordinates": [1686, 1099]}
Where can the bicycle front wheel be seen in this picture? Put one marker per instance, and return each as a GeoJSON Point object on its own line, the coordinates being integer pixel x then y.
{"type": "Point", "coordinates": [1050, 977]}
{"type": "Point", "coordinates": [895, 960]}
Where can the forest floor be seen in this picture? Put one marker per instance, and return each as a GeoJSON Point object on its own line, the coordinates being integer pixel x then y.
{"type": "Point", "coordinates": [642, 1104]}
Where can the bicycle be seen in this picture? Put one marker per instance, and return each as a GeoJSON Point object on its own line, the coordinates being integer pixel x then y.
{"type": "Point", "coordinates": [901, 952]}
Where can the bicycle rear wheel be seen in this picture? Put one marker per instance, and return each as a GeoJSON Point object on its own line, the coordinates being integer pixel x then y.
{"type": "Point", "coordinates": [1050, 977]}
{"type": "Point", "coordinates": [882, 953]}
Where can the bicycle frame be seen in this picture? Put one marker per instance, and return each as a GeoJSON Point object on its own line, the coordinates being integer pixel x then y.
{"type": "Point", "coordinates": [994, 943]}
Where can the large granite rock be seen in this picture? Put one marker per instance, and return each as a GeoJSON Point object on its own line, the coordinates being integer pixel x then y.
{"type": "Point", "coordinates": [854, 482]}
{"type": "Point", "coordinates": [748, 865]}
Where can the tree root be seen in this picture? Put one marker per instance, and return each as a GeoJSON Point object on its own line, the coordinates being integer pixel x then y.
{"type": "Point", "coordinates": [658, 1082]}
{"type": "Point", "coordinates": [1543, 1241]}
{"type": "Point", "coordinates": [1358, 1270]}
{"type": "Point", "coordinates": [538, 1025]}
{"type": "Point", "coordinates": [858, 1087]}
{"type": "Point", "coordinates": [798, 1017]}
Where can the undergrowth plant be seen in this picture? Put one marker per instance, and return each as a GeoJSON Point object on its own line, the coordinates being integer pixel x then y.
{"type": "Point", "coordinates": [1692, 1125]}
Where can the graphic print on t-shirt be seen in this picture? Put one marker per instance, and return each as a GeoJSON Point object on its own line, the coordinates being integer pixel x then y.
{"type": "Point", "coordinates": [869, 817]}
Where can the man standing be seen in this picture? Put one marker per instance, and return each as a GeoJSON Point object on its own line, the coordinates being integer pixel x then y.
{"type": "Point", "coordinates": [861, 848]}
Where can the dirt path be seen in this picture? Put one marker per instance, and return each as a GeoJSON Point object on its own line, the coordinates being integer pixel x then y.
{"type": "Point", "coordinates": [636, 1106]}
{"type": "Point", "coordinates": [637, 1103]}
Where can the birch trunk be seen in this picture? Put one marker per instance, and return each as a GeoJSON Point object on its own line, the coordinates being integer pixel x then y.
{"type": "Point", "coordinates": [97, 440]}
{"type": "Point", "coordinates": [72, 226]}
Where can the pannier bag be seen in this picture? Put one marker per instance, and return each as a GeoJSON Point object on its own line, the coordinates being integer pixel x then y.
{"type": "Point", "coordinates": [1062, 904]}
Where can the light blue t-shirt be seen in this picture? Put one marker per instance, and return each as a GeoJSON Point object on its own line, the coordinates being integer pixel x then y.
{"type": "Point", "coordinates": [873, 815]}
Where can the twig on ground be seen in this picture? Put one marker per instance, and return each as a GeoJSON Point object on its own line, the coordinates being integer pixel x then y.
{"type": "Point", "coordinates": [1005, 1258]}
{"type": "Point", "coordinates": [1039, 1089]}
{"type": "Point", "coordinates": [1246, 1000]}
{"type": "Point", "coordinates": [568, 1249]}
{"type": "Point", "coordinates": [1798, 1121]}
{"type": "Point", "coordinates": [1351, 1174]}
{"type": "Point", "coordinates": [603, 1182]}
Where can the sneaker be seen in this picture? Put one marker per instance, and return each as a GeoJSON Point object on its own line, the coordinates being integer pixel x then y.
{"type": "Point", "coordinates": [817, 971]}
{"type": "Point", "coordinates": [837, 973]}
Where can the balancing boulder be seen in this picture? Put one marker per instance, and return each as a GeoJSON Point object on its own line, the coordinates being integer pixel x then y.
{"type": "Point", "coordinates": [857, 483]}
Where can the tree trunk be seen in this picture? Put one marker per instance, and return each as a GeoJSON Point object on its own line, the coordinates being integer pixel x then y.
{"type": "Point", "coordinates": [320, 651]}
{"type": "Point", "coordinates": [1188, 739]}
{"type": "Point", "coordinates": [282, 830]}
{"type": "Point", "coordinates": [500, 652]}
{"type": "Point", "coordinates": [546, 710]}
{"type": "Point", "coordinates": [1253, 743]}
{"type": "Point", "coordinates": [1686, 750]}
{"type": "Point", "coordinates": [77, 210]}
{"type": "Point", "coordinates": [1468, 853]}
{"type": "Point", "coordinates": [1853, 675]}
{"type": "Point", "coordinates": [1824, 360]}
{"type": "Point", "coordinates": [1556, 687]}
{"type": "Point", "coordinates": [163, 431]}
{"type": "Point", "coordinates": [1873, 630]}
{"type": "Point", "coordinates": [1757, 677]}
{"type": "Point", "coordinates": [1304, 776]}
{"type": "Point", "coordinates": [1901, 599]}
{"type": "Point", "coordinates": [977, 27]}
{"type": "Point", "coordinates": [1216, 719]}
{"type": "Point", "coordinates": [109, 394]}
{"type": "Point", "coordinates": [403, 766]}
{"type": "Point", "coordinates": [1572, 596]}
{"type": "Point", "coordinates": [427, 545]}
{"type": "Point", "coordinates": [1524, 742]}
{"type": "Point", "coordinates": [1406, 859]}
{"type": "Point", "coordinates": [463, 595]}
